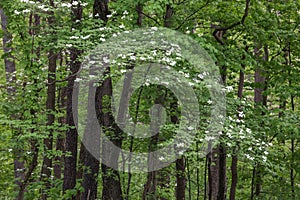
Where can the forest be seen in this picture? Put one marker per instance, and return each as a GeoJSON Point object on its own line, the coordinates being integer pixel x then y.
{"type": "Point", "coordinates": [149, 99]}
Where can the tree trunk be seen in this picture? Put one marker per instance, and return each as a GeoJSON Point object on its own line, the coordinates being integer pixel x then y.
{"type": "Point", "coordinates": [10, 70]}
{"type": "Point", "coordinates": [110, 176]}
{"type": "Point", "coordinates": [234, 161]}
{"type": "Point", "coordinates": [71, 134]}
{"type": "Point", "coordinates": [58, 160]}
{"type": "Point", "coordinates": [259, 99]}
{"type": "Point", "coordinates": [50, 107]}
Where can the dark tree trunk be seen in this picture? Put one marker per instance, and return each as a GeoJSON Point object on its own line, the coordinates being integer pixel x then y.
{"type": "Point", "coordinates": [10, 69]}
{"type": "Point", "coordinates": [260, 99]}
{"type": "Point", "coordinates": [180, 162]}
{"type": "Point", "coordinates": [213, 171]}
{"type": "Point", "coordinates": [110, 176]}
{"type": "Point", "coordinates": [91, 140]}
{"type": "Point", "coordinates": [71, 134]}
{"type": "Point", "coordinates": [50, 107]}
{"type": "Point", "coordinates": [180, 179]}
{"type": "Point", "coordinates": [222, 172]}
{"type": "Point", "coordinates": [60, 146]}
{"type": "Point", "coordinates": [234, 161]}
{"type": "Point", "coordinates": [139, 9]}
{"type": "Point", "coordinates": [150, 187]}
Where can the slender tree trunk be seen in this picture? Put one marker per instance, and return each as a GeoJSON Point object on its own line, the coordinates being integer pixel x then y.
{"type": "Point", "coordinates": [71, 134]}
{"type": "Point", "coordinates": [58, 160]}
{"type": "Point", "coordinates": [234, 161]}
{"type": "Point", "coordinates": [180, 162]}
{"type": "Point", "coordinates": [222, 173]}
{"type": "Point", "coordinates": [260, 99]}
{"type": "Point", "coordinates": [50, 107]}
{"type": "Point", "coordinates": [292, 174]}
{"type": "Point", "coordinates": [87, 160]}
{"type": "Point", "coordinates": [217, 157]}
{"type": "Point", "coordinates": [110, 176]}
{"type": "Point", "coordinates": [10, 70]}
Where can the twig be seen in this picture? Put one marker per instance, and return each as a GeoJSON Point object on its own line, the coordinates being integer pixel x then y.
{"type": "Point", "coordinates": [191, 15]}
{"type": "Point", "coordinates": [224, 29]}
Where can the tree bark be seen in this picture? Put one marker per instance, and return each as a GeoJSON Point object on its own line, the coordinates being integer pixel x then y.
{"type": "Point", "coordinates": [50, 107]}
{"type": "Point", "coordinates": [71, 134]}
{"type": "Point", "coordinates": [110, 176]}
{"type": "Point", "coordinates": [260, 99]}
{"type": "Point", "coordinates": [234, 161]}
{"type": "Point", "coordinates": [60, 141]}
{"type": "Point", "coordinates": [10, 69]}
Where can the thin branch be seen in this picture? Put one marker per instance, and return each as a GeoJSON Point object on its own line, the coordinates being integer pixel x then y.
{"type": "Point", "coordinates": [65, 79]}
{"type": "Point", "coordinates": [146, 15]}
{"type": "Point", "coordinates": [191, 15]}
{"type": "Point", "coordinates": [224, 29]}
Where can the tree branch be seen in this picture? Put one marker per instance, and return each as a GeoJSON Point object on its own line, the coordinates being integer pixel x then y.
{"type": "Point", "coordinates": [146, 15]}
{"type": "Point", "coordinates": [224, 29]}
{"type": "Point", "coordinates": [191, 15]}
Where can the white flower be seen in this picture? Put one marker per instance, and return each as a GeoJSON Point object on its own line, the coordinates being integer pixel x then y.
{"type": "Point", "coordinates": [132, 57]}
{"type": "Point", "coordinates": [208, 138]}
{"type": "Point", "coordinates": [78, 79]}
{"type": "Point", "coordinates": [123, 71]}
{"type": "Point", "coordinates": [17, 12]}
{"type": "Point", "coordinates": [191, 84]}
{"type": "Point", "coordinates": [26, 11]}
{"type": "Point", "coordinates": [69, 45]}
{"type": "Point", "coordinates": [41, 7]}
{"type": "Point", "coordinates": [125, 12]}
{"type": "Point", "coordinates": [154, 28]}
{"type": "Point", "coordinates": [66, 5]}
{"type": "Point", "coordinates": [229, 88]}
{"type": "Point", "coordinates": [173, 63]}
{"type": "Point", "coordinates": [196, 80]}
{"type": "Point", "coordinates": [180, 145]}
{"type": "Point", "coordinates": [9, 150]}
{"type": "Point", "coordinates": [74, 37]}
{"type": "Point", "coordinates": [161, 158]}
{"type": "Point", "coordinates": [105, 59]}
{"type": "Point", "coordinates": [201, 76]}
{"type": "Point", "coordinates": [85, 37]}
{"type": "Point", "coordinates": [264, 158]}
{"type": "Point", "coordinates": [114, 35]}
{"type": "Point", "coordinates": [102, 39]}
{"type": "Point", "coordinates": [209, 102]}
{"type": "Point", "coordinates": [241, 114]}
{"type": "Point", "coordinates": [122, 26]}
{"type": "Point", "coordinates": [190, 128]}
{"type": "Point", "coordinates": [75, 3]}
{"type": "Point", "coordinates": [108, 16]}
